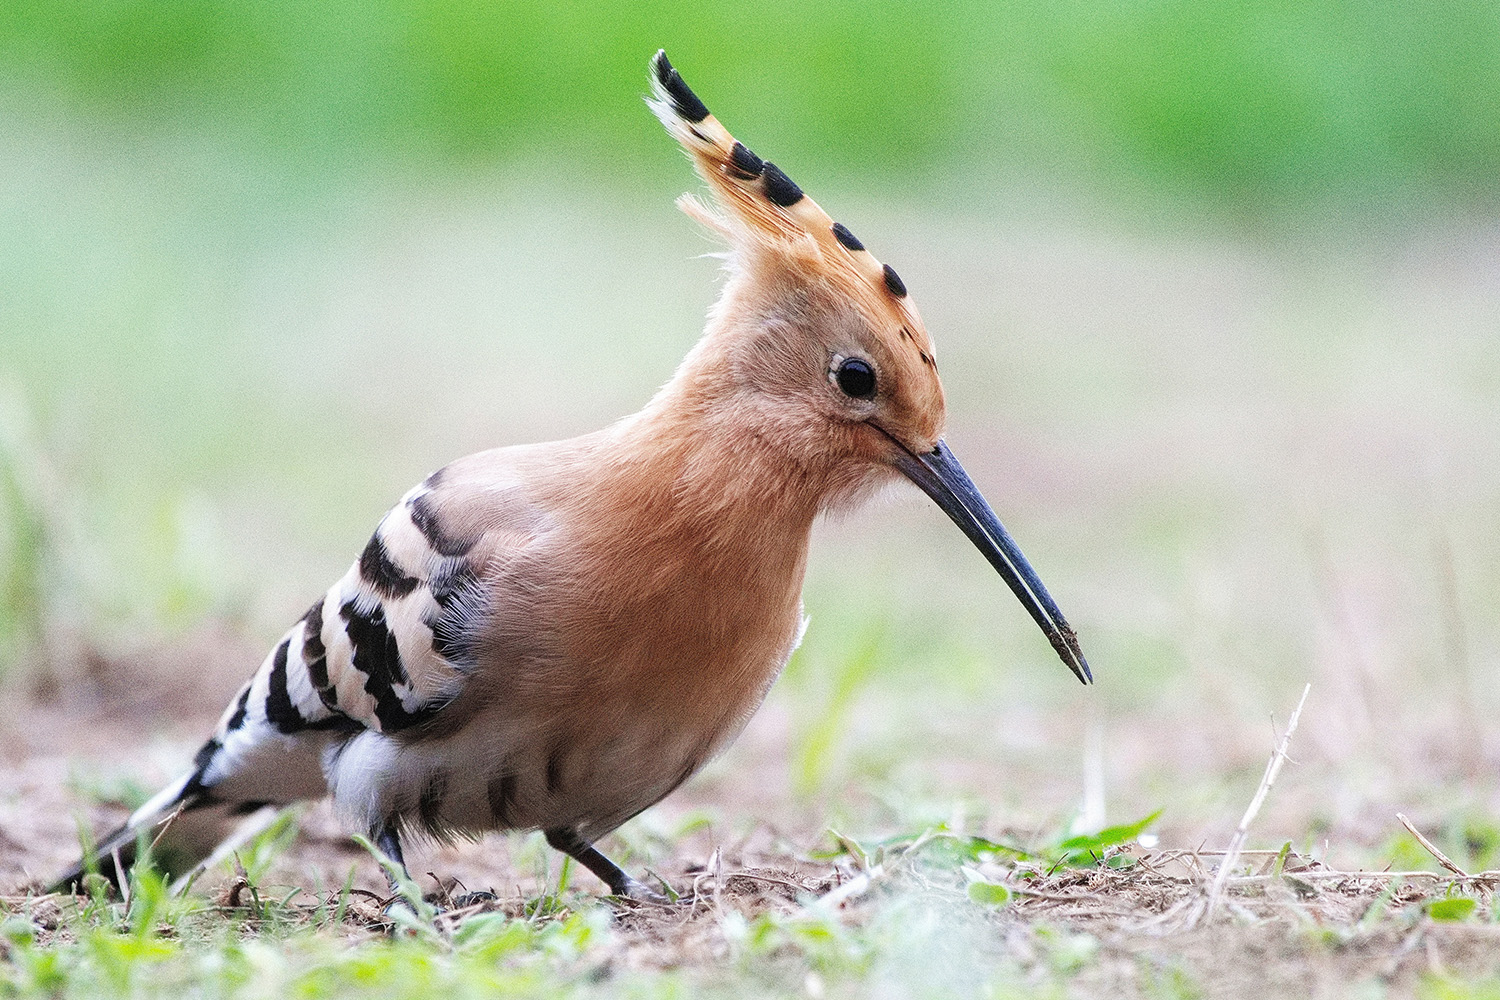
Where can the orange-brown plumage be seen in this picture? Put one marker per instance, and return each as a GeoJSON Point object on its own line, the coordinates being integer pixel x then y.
{"type": "Point", "coordinates": [555, 636]}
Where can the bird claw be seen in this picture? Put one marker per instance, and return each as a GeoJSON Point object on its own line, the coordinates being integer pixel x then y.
{"type": "Point", "coordinates": [469, 899]}
{"type": "Point", "coordinates": [400, 917]}
{"type": "Point", "coordinates": [638, 893]}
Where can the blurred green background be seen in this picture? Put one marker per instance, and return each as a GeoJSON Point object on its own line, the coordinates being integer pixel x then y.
{"type": "Point", "coordinates": [1260, 105]}
{"type": "Point", "coordinates": [1214, 284]}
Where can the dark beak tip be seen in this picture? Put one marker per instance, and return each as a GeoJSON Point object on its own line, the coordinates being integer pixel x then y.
{"type": "Point", "coordinates": [1065, 645]}
{"type": "Point", "coordinates": [1085, 675]}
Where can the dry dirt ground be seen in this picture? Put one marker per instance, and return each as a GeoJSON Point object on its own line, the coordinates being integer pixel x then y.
{"type": "Point", "coordinates": [1288, 926]}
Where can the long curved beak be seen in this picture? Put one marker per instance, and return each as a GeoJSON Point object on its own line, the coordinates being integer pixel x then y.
{"type": "Point", "coordinates": [941, 477]}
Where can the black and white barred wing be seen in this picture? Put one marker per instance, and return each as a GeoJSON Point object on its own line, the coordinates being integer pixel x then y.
{"type": "Point", "coordinates": [385, 649]}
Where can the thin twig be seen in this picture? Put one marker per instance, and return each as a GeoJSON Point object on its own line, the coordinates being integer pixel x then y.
{"type": "Point", "coordinates": [1237, 844]}
{"type": "Point", "coordinates": [767, 878]}
{"type": "Point", "coordinates": [1055, 897]}
{"type": "Point", "coordinates": [1329, 875]}
{"type": "Point", "coordinates": [121, 877]}
{"type": "Point", "coordinates": [1431, 847]}
{"type": "Point", "coordinates": [165, 824]}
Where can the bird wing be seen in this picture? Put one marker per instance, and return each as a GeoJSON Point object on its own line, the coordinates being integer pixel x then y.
{"type": "Point", "coordinates": [389, 645]}
{"type": "Point", "coordinates": [385, 649]}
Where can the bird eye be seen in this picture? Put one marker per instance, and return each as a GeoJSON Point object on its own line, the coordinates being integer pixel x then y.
{"type": "Point", "coordinates": [856, 378]}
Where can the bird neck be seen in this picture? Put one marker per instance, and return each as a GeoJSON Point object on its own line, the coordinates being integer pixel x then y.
{"type": "Point", "coordinates": [713, 475]}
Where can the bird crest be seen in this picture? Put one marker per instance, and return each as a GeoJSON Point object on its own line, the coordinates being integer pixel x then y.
{"type": "Point", "coordinates": [766, 217]}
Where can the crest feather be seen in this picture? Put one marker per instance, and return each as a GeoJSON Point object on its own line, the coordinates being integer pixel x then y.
{"type": "Point", "coordinates": [760, 200]}
{"type": "Point", "coordinates": [756, 207]}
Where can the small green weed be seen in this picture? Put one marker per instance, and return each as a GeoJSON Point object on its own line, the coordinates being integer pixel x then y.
{"type": "Point", "coordinates": [1091, 848]}
{"type": "Point", "coordinates": [1434, 987]}
{"type": "Point", "coordinates": [940, 847]}
{"type": "Point", "coordinates": [1455, 909]}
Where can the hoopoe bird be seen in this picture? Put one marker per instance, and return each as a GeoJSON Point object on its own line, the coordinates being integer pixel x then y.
{"type": "Point", "coordinates": [555, 636]}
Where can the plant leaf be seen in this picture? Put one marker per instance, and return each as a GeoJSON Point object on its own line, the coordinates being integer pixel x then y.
{"type": "Point", "coordinates": [1110, 836]}
{"type": "Point", "coordinates": [1454, 910]}
{"type": "Point", "coordinates": [989, 893]}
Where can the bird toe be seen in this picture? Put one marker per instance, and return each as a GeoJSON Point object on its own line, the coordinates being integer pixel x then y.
{"type": "Point", "coordinates": [633, 891]}
{"type": "Point", "coordinates": [466, 900]}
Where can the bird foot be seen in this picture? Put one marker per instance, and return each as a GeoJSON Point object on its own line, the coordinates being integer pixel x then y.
{"type": "Point", "coordinates": [639, 893]}
{"type": "Point", "coordinates": [400, 916]}
{"type": "Point", "coordinates": [464, 901]}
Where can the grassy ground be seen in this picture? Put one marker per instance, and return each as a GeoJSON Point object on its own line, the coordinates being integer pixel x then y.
{"type": "Point", "coordinates": [1242, 463]}
{"type": "Point", "coordinates": [962, 907]}
{"type": "Point", "coordinates": [773, 901]}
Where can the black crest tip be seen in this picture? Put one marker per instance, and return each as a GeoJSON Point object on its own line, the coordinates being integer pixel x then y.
{"type": "Point", "coordinates": [780, 188]}
{"type": "Point", "coordinates": [848, 239]}
{"type": "Point", "coordinates": [684, 101]}
{"type": "Point", "coordinates": [894, 283]}
{"type": "Point", "coordinates": [747, 165]}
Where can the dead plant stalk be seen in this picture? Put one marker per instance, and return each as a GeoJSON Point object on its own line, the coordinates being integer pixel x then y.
{"type": "Point", "coordinates": [1237, 844]}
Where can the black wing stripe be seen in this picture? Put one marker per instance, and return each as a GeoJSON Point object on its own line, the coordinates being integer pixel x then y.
{"type": "Point", "coordinates": [315, 655]}
{"type": "Point", "coordinates": [241, 707]}
{"type": "Point", "coordinates": [377, 656]}
{"type": "Point", "coordinates": [280, 712]}
{"type": "Point", "coordinates": [377, 569]}
{"type": "Point", "coordinates": [425, 518]}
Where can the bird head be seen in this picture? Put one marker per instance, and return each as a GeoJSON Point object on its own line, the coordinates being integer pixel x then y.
{"type": "Point", "coordinates": [817, 345]}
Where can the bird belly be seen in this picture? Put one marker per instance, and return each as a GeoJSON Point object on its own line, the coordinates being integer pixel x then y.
{"type": "Point", "coordinates": [530, 762]}
{"type": "Point", "coordinates": [486, 777]}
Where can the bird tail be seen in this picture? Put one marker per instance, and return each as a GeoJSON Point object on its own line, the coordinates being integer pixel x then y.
{"type": "Point", "coordinates": [116, 852]}
{"type": "Point", "coordinates": [185, 829]}
{"type": "Point", "coordinates": [265, 753]}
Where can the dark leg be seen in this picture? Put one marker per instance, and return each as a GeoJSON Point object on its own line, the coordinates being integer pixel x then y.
{"type": "Point", "coordinates": [567, 840]}
{"type": "Point", "coordinates": [389, 842]}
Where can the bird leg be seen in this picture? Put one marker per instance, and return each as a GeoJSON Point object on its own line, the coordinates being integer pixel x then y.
{"type": "Point", "coordinates": [389, 841]}
{"type": "Point", "coordinates": [567, 840]}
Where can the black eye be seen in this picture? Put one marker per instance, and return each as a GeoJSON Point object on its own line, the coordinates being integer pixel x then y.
{"type": "Point", "coordinates": [856, 378]}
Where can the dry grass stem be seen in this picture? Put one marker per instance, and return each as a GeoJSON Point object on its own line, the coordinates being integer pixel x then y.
{"type": "Point", "coordinates": [165, 824]}
{"type": "Point", "coordinates": [114, 856]}
{"type": "Point", "coordinates": [1237, 844]}
{"type": "Point", "coordinates": [1431, 847]}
